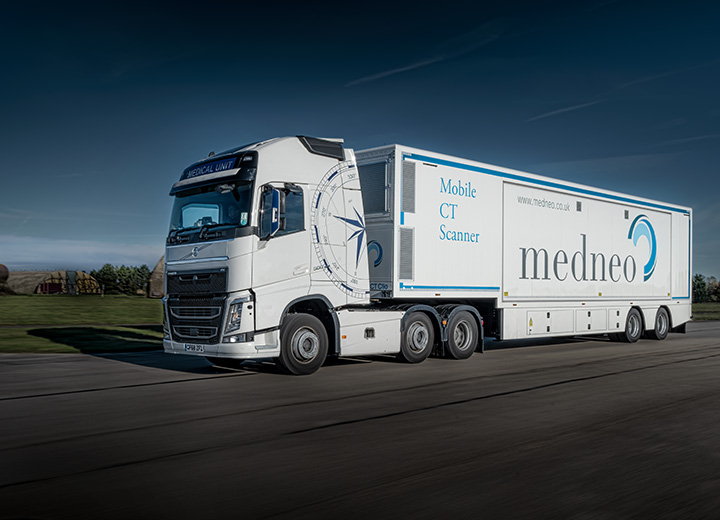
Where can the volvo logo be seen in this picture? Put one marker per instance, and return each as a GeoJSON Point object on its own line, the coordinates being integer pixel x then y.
{"type": "Point", "coordinates": [195, 251]}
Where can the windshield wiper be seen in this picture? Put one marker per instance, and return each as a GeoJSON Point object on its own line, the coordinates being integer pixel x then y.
{"type": "Point", "coordinates": [184, 234]}
{"type": "Point", "coordinates": [175, 236]}
{"type": "Point", "coordinates": [207, 227]}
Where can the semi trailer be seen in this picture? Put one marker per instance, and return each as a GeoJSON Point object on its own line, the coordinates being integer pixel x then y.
{"type": "Point", "coordinates": [299, 248]}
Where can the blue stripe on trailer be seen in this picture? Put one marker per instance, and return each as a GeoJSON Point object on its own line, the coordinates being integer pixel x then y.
{"type": "Point", "coordinates": [333, 175]}
{"type": "Point", "coordinates": [317, 202]}
{"type": "Point", "coordinates": [540, 182]}
{"type": "Point", "coordinates": [449, 287]}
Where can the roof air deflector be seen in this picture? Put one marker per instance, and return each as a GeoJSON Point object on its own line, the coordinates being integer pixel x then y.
{"type": "Point", "coordinates": [323, 147]}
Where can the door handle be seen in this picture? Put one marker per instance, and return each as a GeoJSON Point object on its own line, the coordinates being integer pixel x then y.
{"type": "Point", "coordinates": [301, 269]}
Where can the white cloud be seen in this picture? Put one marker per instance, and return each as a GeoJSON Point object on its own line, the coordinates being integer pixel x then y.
{"type": "Point", "coordinates": [667, 73]}
{"type": "Point", "coordinates": [380, 75]}
{"type": "Point", "coordinates": [449, 49]}
{"type": "Point", "coordinates": [619, 163]}
{"type": "Point", "coordinates": [563, 110]}
{"type": "Point", "coordinates": [622, 86]}
{"type": "Point", "coordinates": [51, 253]}
{"type": "Point", "coordinates": [684, 140]}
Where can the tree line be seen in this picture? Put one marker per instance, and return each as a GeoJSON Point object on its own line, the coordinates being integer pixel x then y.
{"type": "Point", "coordinates": [705, 289]}
{"type": "Point", "coordinates": [122, 279]}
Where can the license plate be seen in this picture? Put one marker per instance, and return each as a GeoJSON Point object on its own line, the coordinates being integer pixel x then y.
{"type": "Point", "coordinates": [194, 348]}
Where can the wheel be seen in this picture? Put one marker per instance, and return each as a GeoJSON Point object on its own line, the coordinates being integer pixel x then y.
{"type": "Point", "coordinates": [224, 362]}
{"type": "Point", "coordinates": [463, 335]}
{"type": "Point", "coordinates": [633, 327]}
{"type": "Point", "coordinates": [417, 339]}
{"type": "Point", "coordinates": [662, 325]}
{"type": "Point", "coordinates": [303, 344]}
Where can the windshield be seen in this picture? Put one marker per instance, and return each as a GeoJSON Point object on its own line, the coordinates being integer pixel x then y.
{"type": "Point", "coordinates": [213, 206]}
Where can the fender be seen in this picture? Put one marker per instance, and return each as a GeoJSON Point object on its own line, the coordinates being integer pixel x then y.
{"type": "Point", "coordinates": [330, 309]}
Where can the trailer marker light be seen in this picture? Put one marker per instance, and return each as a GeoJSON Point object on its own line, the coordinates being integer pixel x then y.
{"type": "Point", "coordinates": [344, 336]}
{"type": "Point", "coordinates": [599, 294]}
{"type": "Point", "coordinates": [444, 322]}
{"type": "Point", "coordinates": [505, 293]}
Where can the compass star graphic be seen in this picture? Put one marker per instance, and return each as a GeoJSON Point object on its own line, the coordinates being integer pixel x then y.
{"type": "Point", "coordinates": [359, 234]}
{"type": "Point", "coordinates": [334, 227]}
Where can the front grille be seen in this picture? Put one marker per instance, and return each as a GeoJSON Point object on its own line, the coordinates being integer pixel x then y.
{"type": "Point", "coordinates": [197, 318]}
{"type": "Point", "coordinates": [199, 282]}
{"type": "Point", "coordinates": [196, 312]}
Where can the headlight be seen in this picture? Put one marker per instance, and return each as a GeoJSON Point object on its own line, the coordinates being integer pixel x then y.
{"type": "Point", "coordinates": [235, 314]}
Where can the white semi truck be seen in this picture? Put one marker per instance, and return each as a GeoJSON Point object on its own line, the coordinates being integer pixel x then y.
{"type": "Point", "coordinates": [297, 249]}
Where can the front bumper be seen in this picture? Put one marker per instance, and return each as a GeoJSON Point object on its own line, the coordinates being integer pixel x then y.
{"type": "Point", "coordinates": [264, 345]}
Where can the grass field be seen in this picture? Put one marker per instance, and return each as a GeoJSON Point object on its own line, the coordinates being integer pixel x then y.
{"type": "Point", "coordinates": [706, 311]}
{"type": "Point", "coordinates": [88, 324]}
{"type": "Point", "coordinates": [38, 309]}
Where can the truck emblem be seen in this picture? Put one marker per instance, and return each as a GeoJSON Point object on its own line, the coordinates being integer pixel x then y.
{"type": "Point", "coordinates": [194, 252]}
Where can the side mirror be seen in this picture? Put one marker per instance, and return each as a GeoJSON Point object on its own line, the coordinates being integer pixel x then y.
{"type": "Point", "coordinates": [277, 222]}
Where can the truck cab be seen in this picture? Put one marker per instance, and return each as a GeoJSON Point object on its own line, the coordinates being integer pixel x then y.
{"type": "Point", "coordinates": [266, 240]}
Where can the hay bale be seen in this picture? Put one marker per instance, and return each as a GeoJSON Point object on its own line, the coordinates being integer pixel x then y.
{"type": "Point", "coordinates": [156, 285]}
{"type": "Point", "coordinates": [26, 282]}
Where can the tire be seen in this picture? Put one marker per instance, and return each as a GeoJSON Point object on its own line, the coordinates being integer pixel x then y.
{"type": "Point", "coordinates": [417, 339]}
{"type": "Point", "coordinates": [303, 344]}
{"type": "Point", "coordinates": [633, 327]}
{"type": "Point", "coordinates": [224, 362]}
{"type": "Point", "coordinates": [662, 325]}
{"type": "Point", "coordinates": [463, 335]}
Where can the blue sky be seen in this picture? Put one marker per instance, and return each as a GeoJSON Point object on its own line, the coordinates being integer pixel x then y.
{"type": "Point", "coordinates": [103, 105]}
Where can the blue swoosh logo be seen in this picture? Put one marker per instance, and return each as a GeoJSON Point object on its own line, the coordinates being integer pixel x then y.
{"type": "Point", "coordinates": [373, 245]}
{"type": "Point", "coordinates": [641, 227]}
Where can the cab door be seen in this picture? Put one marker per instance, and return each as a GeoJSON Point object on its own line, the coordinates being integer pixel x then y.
{"type": "Point", "coordinates": [281, 263]}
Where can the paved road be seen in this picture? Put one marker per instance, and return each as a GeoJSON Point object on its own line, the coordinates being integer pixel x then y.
{"type": "Point", "coordinates": [565, 429]}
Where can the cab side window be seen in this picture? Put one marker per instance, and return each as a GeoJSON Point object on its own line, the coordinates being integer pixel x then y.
{"type": "Point", "coordinates": [294, 212]}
